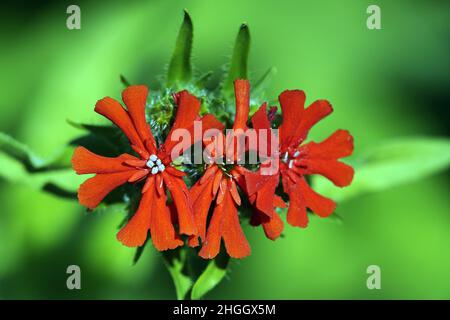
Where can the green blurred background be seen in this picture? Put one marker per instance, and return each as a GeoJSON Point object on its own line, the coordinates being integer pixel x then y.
{"type": "Point", "coordinates": [382, 83]}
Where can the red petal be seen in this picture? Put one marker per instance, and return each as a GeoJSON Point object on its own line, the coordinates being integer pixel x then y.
{"type": "Point", "coordinates": [217, 180]}
{"type": "Point", "coordinates": [208, 174]}
{"type": "Point", "coordinates": [112, 110]}
{"type": "Point", "coordinates": [211, 122]}
{"type": "Point", "coordinates": [339, 173]}
{"type": "Point", "coordinates": [135, 163]}
{"type": "Point", "coordinates": [135, 98]}
{"type": "Point", "coordinates": [175, 172]}
{"type": "Point", "coordinates": [265, 135]}
{"type": "Point", "coordinates": [234, 192]}
{"type": "Point", "coordinates": [297, 215]}
{"type": "Point", "coordinates": [138, 175]}
{"type": "Point", "coordinates": [93, 190]}
{"type": "Point", "coordinates": [292, 106]}
{"type": "Point", "coordinates": [161, 226]}
{"type": "Point", "coordinates": [235, 242]}
{"type": "Point", "coordinates": [202, 196]}
{"type": "Point", "coordinates": [134, 233]}
{"type": "Point", "coordinates": [211, 245]}
{"type": "Point", "coordinates": [242, 95]}
{"type": "Point", "coordinates": [336, 146]}
{"type": "Point", "coordinates": [318, 110]}
{"type": "Point", "coordinates": [225, 223]}
{"type": "Point", "coordinates": [187, 112]}
{"type": "Point", "coordinates": [85, 161]}
{"type": "Point", "coordinates": [182, 201]}
{"type": "Point", "coordinates": [319, 204]}
{"type": "Point", "coordinates": [273, 226]}
{"type": "Point", "coordinates": [222, 190]}
{"type": "Point", "coordinates": [260, 119]}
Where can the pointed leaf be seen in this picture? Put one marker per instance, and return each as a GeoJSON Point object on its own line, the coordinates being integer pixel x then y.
{"type": "Point", "coordinates": [180, 70]}
{"type": "Point", "coordinates": [175, 262]}
{"type": "Point", "coordinates": [124, 81]}
{"type": "Point", "coordinates": [201, 82]}
{"type": "Point", "coordinates": [21, 153]}
{"type": "Point", "coordinates": [211, 277]}
{"type": "Point", "coordinates": [264, 81]}
{"type": "Point", "coordinates": [238, 68]}
{"type": "Point", "coordinates": [139, 252]}
{"type": "Point", "coordinates": [391, 164]}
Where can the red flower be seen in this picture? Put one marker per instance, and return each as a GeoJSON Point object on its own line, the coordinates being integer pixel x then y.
{"type": "Point", "coordinates": [219, 184]}
{"type": "Point", "coordinates": [152, 165]}
{"type": "Point", "coordinates": [298, 160]}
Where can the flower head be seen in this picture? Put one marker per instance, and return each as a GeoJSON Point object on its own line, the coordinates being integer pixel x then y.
{"type": "Point", "coordinates": [299, 159]}
{"type": "Point", "coordinates": [152, 165]}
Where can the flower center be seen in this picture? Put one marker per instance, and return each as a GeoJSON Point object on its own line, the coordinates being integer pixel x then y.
{"type": "Point", "coordinates": [155, 164]}
{"type": "Point", "coordinates": [289, 158]}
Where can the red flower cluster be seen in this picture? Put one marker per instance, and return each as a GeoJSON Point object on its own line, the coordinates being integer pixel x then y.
{"type": "Point", "coordinates": [218, 188]}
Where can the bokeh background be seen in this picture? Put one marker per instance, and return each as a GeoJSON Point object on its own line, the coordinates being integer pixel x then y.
{"type": "Point", "coordinates": [383, 84]}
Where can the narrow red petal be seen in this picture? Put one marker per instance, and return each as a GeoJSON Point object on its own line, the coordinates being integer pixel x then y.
{"type": "Point", "coordinates": [135, 98]}
{"type": "Point", "coordinates": [138, 175]}
{"type": "Point", "coordinates": [235, 242]}
{"type": "Point", "coordinates": [225, 224]}
{"type": "Point", "coordinates": [242, 96]}
{"type": "Point", "coordinates": [85, 161]}
{"type": "Point", "coordinates": [187, 112]}
{"type": "Point", "coordinates": [339, 173]}
{"type": "Point", "coordinates": [273, 226]}
{"type": "Point", "coordinates": [222, 191]}
{"type": "Point", "coordinates": [202, 196]}
{"type": "Point", "coordinates": [162, 230]}
{"type": "Point", "coordinates": [234, 192]}
{"type": "Point", "coordinates": [336, 146]}
{"type": "Point", "coordinates": [318, 204]}
{"type": "Point", "coordinates": [217, 180]}
{"type": "Point", "coordinates": [175, 172]}
{"type": "Point", "coordinates": [208, 174]}
{"type": "Point", "coordinates": [113, 110]}
{"type": "Point", "coordinates": [182, 201]}
{"type": "Point", "coordinates": [318, 110]}
{"type": "Point", "coordinates": [292, 106]}
{"type": "Point", "coordinates": [297, 215]}
{"type": "Point", "coordinates": [135, 232]}
{"type": "Point", "coordinates": [93, 190]}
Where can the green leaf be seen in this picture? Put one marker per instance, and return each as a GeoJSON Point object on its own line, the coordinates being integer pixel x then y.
{"type": "Point", "coordinates": [180, 69]}
{"type": "Point", "coordinates": [21, 153]}
{"type": "Point", "coordinates": [391, 164]}
{"type": "Point", "coordinates": [139, 252]}
{"type": "Point", "coordinates": [263, 82]}
{"type": "Point", "coordinates": [124, 81]}
{"type": "Point", "coordinates": [105, 140]}
{"type": "Point", "coordinates": [53, 188]}
{"type": "Point", "coordinates": [211, 277]}
{"type": "Point", "coordinates": [238, 68]}
{"type": "Point", "coordinates": [175, 261]}
{"type": "Point", "coordinates": [201, 82]}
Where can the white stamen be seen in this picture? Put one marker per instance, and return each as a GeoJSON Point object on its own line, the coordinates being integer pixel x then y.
{"type": "Point", "coordinates": [158, 162]}
{"type": "Point", "coordinates": [285, 157]}
{"type": "Point", "coordinates": [291, 163]}
{"type": "Point", "coordinates": [296, 154]}
{"type": "Point", "coordinates": [154, 170]}
{"type": "Point", "coordinates": [150, 163]}
{"type": "Point", "coordinates": [153, 157]}
{"type": "Point", "coordinates": [161, 167]}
